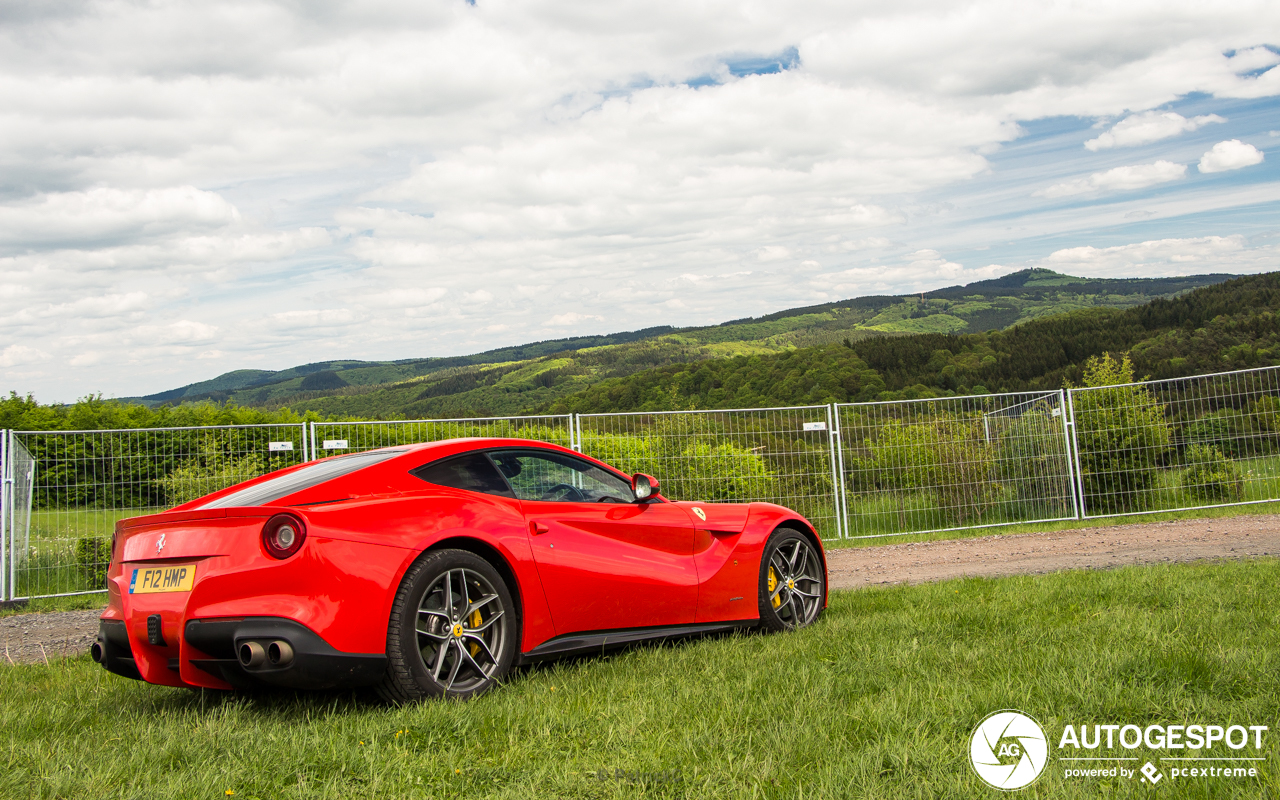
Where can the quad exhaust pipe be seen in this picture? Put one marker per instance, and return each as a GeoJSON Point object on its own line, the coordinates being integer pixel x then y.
{"type": "Point", "coordinates": [277, 653]}
{"type": "Point", "coordinates": [96, 652]}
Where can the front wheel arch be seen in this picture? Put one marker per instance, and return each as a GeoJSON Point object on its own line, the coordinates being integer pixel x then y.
{"type": "Point", "coordinates": [778, 538]}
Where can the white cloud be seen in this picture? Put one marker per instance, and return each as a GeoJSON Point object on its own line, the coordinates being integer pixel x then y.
{"type": "Point", "coordinates": [310, 319]}
{"type": "Point", "coordinates": [1231, 154]}
{"type": "Point", "coordinates": [1164, 257]}
{"type": "Point", "coordinates": [572, 318]}
{"type": "Point", "coordinates": [106, 215]}
{"type": "Point", "coordinates": [279, 183]}
{"type": "Point", "coordinates": [1118, 179]}
{"type": "Point", "coordinates": [17, 354]}
{"type": "Point", "coordinates": [1150, 126]}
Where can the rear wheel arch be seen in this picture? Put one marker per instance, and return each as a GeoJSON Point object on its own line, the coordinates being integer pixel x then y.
{"type": "Point", "coordinates": [496, 560]}
{"type": "Point", "coordinates": [441, 577]}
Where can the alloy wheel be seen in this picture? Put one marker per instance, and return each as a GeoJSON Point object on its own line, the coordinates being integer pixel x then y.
{"type": "Point", "coordinates": [459, 639]}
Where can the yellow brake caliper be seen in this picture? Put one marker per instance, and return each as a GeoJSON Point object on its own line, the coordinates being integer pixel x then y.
{"type": "Point", "coordinates": [773, 584]}
{"type": "Point", "coordinates": [475, 623]}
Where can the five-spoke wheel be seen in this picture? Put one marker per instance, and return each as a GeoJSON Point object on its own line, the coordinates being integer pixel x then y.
{"type": "Point", "coordinates": [452, 631]}
{"type": "Point", "coordinates": [793, 585]}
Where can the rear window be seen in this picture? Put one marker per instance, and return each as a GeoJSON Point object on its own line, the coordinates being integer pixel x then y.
{"type": "Point", "coordinates": [271, 490]}
{"type": "Point", "coordinates": [471, 471]}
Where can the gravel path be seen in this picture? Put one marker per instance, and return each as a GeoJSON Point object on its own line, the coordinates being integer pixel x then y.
{"type": "Point", "coordinates": [1035, 553]}
{"type": "Point", "coordinates": [32, 638]}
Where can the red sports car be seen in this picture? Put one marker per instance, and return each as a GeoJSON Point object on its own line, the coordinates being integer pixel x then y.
{"type": "Point", "coordinates": [431, 569]}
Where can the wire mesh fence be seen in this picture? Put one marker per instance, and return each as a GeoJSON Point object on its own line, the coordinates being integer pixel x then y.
{"type": "Point", "coordinates": [859, 470]}
{"type": "Point", "coordinates": [335, 438]}
{"type": "Point", "coordinates": [81, 482]}
{"type": "Point", "coordinates": [1178, 444]}
{"type": "Point", "coordinates": [779, 455]}
{"type": "Point", "coordinates": [917, 466]}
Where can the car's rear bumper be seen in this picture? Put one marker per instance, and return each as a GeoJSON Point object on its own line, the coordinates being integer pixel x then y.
{"type": "Point", "coordinates": [209, 655]}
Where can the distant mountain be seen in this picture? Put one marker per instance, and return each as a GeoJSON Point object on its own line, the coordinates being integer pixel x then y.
{"type": "Point", "coordinates": [513, 379]}
{"type": "Point", "coordinates": [1232, 325]}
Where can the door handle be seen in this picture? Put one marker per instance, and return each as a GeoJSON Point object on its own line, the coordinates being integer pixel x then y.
{"type": "Point", "coordinates": [537, 527]}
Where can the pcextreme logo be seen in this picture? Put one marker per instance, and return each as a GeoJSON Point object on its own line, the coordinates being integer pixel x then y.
{"type": "Point", "coordinates": [1009, 750]}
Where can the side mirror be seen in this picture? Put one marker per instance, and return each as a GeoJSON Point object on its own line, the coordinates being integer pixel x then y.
{"type": "Point", "coordinates": [644, 486]}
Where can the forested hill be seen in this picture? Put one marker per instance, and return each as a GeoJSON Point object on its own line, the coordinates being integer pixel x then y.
{"type": "Point", "coordinates": [1231, 325]}
{"type": "Point", "coordinates": [513, 379]}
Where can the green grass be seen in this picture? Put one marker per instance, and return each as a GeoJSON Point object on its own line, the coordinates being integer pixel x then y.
{"type": "Point", "coordinates": [876, 700]}
{"type": "Point", "coordinates": [50, 565]}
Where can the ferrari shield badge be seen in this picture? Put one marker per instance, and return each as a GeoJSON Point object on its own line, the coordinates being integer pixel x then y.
{"type": "Point", "coordinates": [702, 515]}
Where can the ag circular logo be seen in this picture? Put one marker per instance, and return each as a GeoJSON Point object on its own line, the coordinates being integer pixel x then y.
{"type": "Point", "coordinates": [1008, 750]}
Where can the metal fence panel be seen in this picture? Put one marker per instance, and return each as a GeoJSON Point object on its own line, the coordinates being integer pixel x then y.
{"type": "Point", "coordinates": [5, 582]}
{"type": "Point", "coordinates": [22, 473]}
{"type": "Point", "coordinates": [1170, 445]}
{"type": "Point", "coordinates": [919, 466]}
{"type": "Point", "coordinates": [779, 455]}
{"type": "Point", "coordinates": [334, 438]}
{"type": "Point", "coordinates": [84, 481]}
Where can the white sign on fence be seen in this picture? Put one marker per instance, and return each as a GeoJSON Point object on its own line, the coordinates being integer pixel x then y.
{"type": "Point", "coordinates": [335, 444]}
{"type": "Point", "coordinates": [815, 426]}
{"type": "Point", "coordinates": [277, 447]}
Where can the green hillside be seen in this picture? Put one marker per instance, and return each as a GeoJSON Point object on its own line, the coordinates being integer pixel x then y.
{"type": "Point", "coordinates": [546, 374]}
{"type": "Point", "coordinates": [1231, 325]}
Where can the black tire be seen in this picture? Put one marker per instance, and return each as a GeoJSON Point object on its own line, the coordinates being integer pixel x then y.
{"type": "Point", "coordinates": [796, 593]}
{"type": "Point", "coordinates": [479, 639]}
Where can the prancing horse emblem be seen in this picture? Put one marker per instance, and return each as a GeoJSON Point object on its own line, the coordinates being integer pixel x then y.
{"type": "Point", "coordinates": [160, 544]}
{"type": "Point", "coordinates": [702, 515]}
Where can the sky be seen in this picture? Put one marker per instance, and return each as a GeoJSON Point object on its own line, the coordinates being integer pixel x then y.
{"type": "Point", "coordinates": [188, 188]}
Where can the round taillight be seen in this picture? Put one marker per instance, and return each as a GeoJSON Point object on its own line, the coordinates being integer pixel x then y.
{"type": "Point", "coordinates": [283, 535]}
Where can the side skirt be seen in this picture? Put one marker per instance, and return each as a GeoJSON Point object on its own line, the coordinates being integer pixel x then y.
{"type": "Point", "coordinates": [590, 641]}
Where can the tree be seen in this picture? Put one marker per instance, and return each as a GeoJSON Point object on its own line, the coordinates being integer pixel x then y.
{"type": "Point", "coordinates": [1123, 436]}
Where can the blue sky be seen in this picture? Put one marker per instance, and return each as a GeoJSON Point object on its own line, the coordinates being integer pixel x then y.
{"type": "Point", "coordinates": [187, 189]}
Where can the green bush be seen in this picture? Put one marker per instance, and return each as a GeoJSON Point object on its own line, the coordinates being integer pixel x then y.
{"type": "Point", "coordinates": [1033, 462]}
{"type": "Point", "coordinates": [1210, 476]}
{"type": "Point", "coordinates": [1226, 429]}
{"type": "Point", "coordinates": [205, 474]}
{"type": "Point", "coordinates": [93, 555]}
{"type": "Point", "coordinates": [690, 459]}
{"type": "Point", "coordinates": [946, 456]}
{"type": "Point", "coordinates": [1123, 437]}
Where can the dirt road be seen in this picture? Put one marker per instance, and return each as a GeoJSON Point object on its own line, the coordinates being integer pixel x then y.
{"type": "Point", "coordinates": [1034, 553]}
{"type": "Point", "coordinates": [32, 638]}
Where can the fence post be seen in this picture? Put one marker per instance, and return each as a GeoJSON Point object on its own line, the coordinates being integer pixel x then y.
{"type": "Point", "coordinates": [312, 441]}
{"type": "Point", "coordinates": [6, 491]}
{"type": "Point", "coordinates": [1068, 432]}
{"type": "Point", "coordinates": [575, 431]}
{"type": "Point", "coordinates": [837, 474]}
{"type": "Point", "coordinates": [1078, 476]}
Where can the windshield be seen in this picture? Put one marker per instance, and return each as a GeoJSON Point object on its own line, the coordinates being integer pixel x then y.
{"type": "Point", "coordinates": [313, 475]}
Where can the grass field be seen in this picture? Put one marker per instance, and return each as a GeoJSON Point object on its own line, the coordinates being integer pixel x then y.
{"type": "Point", "coordinates": [876, 700]}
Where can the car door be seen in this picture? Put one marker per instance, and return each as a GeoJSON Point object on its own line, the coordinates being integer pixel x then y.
{"type": "Point", "coordinates": [606, 562]}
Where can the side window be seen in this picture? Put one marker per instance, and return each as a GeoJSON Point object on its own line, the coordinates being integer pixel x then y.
{"type": "Point", "coordinates": [471, 471]}
{"type": "Point", "coordinates": [555, 476]}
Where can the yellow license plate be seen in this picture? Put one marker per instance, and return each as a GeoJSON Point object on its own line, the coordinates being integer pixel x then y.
{"type": "Point", "coordinates": [162, 579]}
